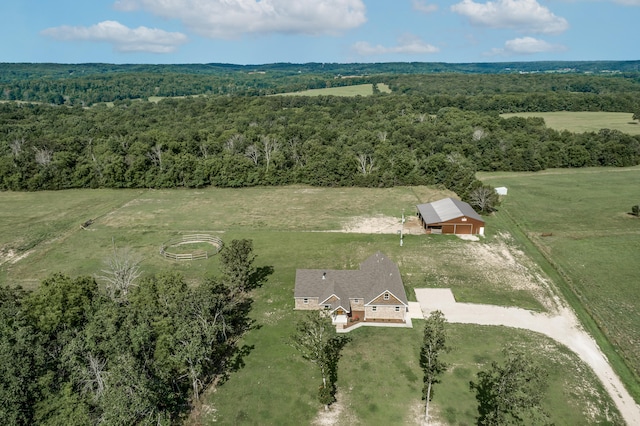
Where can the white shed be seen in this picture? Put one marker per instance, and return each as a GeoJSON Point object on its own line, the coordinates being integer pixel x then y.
{"type": "Point", "coordinates": [501, 190]}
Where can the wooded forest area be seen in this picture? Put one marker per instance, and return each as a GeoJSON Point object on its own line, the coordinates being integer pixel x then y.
{"type": "Point", "coordinates": [431, 130]}
{"type": "Point", "coordinates": [72, 353]}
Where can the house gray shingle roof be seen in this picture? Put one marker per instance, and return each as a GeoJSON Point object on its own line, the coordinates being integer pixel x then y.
{"type": "Point", "coordinates": [376, 275]}
{"type": "Point", "coordinates": [446, 209]}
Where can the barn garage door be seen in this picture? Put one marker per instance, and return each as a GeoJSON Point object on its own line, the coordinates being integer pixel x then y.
{"type": "Point", "coordinates": [447, 229]}
{"type": "Point", "coordinates": [457, 228]}
{"type": "Point", "coordinates": [466, 228]}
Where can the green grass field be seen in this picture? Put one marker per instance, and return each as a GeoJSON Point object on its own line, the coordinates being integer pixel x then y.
{"type": "Point", "coordinates": [595, 242]}
{"type": "Point", "coordinates": [380, 378]}
{"type": "Point", "coordinates": [580, 122]}
{"type": "Point", "coordinates": [355, 90]}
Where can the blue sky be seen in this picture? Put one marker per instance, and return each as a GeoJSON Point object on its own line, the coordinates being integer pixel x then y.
{"type": "Point", "coordinates": [298, 31]}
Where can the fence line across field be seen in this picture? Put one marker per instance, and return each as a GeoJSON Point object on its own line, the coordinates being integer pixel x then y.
{"type": "Point", "coordinates": [215, 242]}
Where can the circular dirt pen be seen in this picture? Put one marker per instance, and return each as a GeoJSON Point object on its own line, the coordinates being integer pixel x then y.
{"type": "Point", "coordinates": [215, 242]}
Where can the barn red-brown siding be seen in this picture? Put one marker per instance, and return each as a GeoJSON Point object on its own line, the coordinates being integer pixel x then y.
{"type": "Point", "coordinates": [457, 226]}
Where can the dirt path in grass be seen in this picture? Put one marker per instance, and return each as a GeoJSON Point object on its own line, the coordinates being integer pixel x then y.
{"type": "Point", "coordinates": [381, 224]}
{"type": "Point", "coordinates": [562, 325]}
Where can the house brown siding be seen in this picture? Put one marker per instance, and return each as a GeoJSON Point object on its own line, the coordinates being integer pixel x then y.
{"type": "Point", "coordinates": [357, 306]}
{"type": "Point", "coordinates": [330, 300]}
{"type": "Point", "coordinates": [380, 300]}
{"type": "Point", "coordinates": [312, 305]}
{"type": "Point", "coordinates": [384, 312]}
{"type": "Point", "coordinates": [352, 291]}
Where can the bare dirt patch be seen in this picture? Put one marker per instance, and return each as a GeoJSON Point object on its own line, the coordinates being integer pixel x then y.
{"type": "Point", "coordinates": [11, 256]}
{"type": "Point", "coordinates": [500, 261]}
{"type": "Point", "coordinates": [338, 413]}
{"type": "Point", "coordinates": [381, 224]}
{"type": "Point", "coordinates": [416, 415]}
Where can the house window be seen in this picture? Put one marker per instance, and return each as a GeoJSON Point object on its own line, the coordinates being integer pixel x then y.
{"type": "Point", "coordinates": [397, 308]}
{"type": "Point", "coordinates": [305, 301]}
{"type": "Point", "coordinates": [374, 308]}
{"type": "Point", "coordinates": [356, 300]}
{"type": "Point", "coordinates": [327, 306]}
{"type": "Point", "coordinates": [386, 296]}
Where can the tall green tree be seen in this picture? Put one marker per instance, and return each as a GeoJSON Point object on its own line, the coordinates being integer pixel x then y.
{"type": "Point", "coordinates": [236, 264]}
{"type": "Point", "coordinates": [238, 269]}
{"type": "Point", "coordinates": [434, 344]}
{"type": "Point", "coordinates": [62, 303]}
{"type": "Point", "coordinates": [22, 359]}
{"type": "Point", "coordinates": [511, 393]}
{"type": "Point", "coordinates": [317, 342]}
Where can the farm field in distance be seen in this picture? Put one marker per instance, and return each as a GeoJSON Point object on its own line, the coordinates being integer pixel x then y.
{"type": "Point", "coordinates": [580, 122]}
{"type": "Point", "coordinates": [41, 234]}
{"type": "Point", "coordinates": [355, 90]}
{"type": "Point", "coordinates": [590, 237]}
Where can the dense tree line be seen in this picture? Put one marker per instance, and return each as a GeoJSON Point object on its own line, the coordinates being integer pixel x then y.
{"type": "Point", "coordinates": [30, 71]}
{"type": "Point", "coordinates": [87, 84]}
{"type": "Point", "coordinates": [90, 90]}
{"type": "Point", "coordinates": [73, 354]}
{"type": "Point", "coordinates": [382, 140]}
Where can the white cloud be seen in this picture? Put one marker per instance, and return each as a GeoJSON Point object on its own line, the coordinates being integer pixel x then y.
{"type": "Point", "coordinates": [526, 46]}
{"type": "Point", "coordinates": [424, 7]}
{"type": "Point", "coordinates": [233, 18]}
{"type": "Point", "coordinates": [520, 15]}
{"type": "Point", "coordinates": [408, 44]}
{"type": "Point", "coordinates": [123, 39]}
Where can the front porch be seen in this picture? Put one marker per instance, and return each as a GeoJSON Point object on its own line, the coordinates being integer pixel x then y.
{"type": "Point", "coordinates": [356, 318]}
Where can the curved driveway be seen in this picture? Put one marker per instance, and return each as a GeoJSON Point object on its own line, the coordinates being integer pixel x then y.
{"type": "Point", "coordinates": [563, 327]}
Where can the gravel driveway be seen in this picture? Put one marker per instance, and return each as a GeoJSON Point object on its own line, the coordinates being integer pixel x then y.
{"type": "Point", "coordinates": [562, 327]}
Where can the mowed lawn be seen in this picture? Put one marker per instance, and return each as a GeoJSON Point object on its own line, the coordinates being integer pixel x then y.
{"type": "Point", "coordinates": [580, 122]}
{"type": "Point", "coordinates": [594, 241]}
{"type": "Point", "coordinates": [355, 90]}
{"type": "Point", "coordinates": [42, 229]}
{"type": "Point", "coordinates": [379, 378]}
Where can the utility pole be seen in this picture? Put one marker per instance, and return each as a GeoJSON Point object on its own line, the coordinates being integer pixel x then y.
{"type": "Point", "coordinates": [402, 230]}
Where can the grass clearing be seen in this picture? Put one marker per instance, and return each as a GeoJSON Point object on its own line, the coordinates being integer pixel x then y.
{"type": "Point", "coordinates": [355, 90]}
{"type": "Point", "coordinates": [380, 378]}
{"type": "Point", "coordinates": [580, 122]}
{"type": "Point", "coordinates": [594, 243]}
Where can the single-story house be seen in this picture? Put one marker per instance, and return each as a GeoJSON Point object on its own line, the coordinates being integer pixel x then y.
{"type": "Point", "coordinates": [450, 216]}
{"type": "Point", "coordinates": [372, 293]}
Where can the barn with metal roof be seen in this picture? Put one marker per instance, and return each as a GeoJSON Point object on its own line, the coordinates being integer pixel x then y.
{"type": "Point", "coordinates": [450, 216]}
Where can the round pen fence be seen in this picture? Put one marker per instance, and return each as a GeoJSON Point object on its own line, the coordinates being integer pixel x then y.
{"type": "Point", "coordinates": [168, 249]}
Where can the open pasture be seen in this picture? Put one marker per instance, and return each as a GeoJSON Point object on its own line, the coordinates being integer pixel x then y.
{"type": "Point", "coordinates": [304, 227]}
{"type": "Point", "coordinates": [40, 239]}
{"type": "Point", "coordinates": [580, 122]}
{"type": "Point", "coordinates": [355, 90]}
{"type": "Point", "coordinates": [591, 238]}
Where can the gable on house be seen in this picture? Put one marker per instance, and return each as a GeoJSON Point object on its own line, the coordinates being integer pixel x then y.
{"type": "Point", "coordinates": [450, 216]}
{"type": "Point", "coordinates": [372, 292]}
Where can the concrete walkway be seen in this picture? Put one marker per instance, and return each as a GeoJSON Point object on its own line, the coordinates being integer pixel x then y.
{"type": "Point", "coordinates": [562, 327]}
